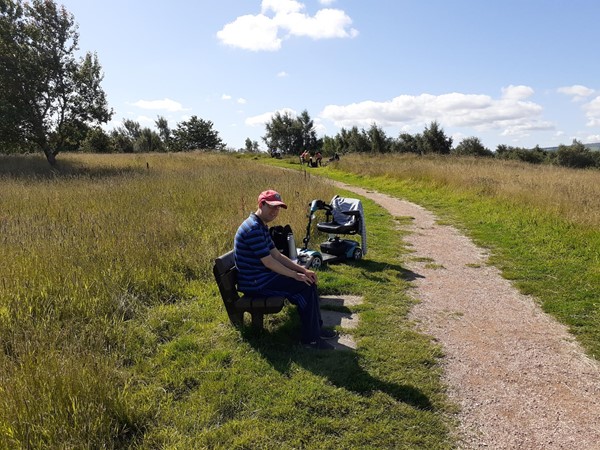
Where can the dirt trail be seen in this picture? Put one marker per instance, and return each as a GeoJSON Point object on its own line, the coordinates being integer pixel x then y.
{"type": "Point", "coordinates": [519, 377]}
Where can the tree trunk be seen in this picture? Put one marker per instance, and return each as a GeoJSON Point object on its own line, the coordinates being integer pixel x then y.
{"type": "Point", "coordinates": [50, 156]}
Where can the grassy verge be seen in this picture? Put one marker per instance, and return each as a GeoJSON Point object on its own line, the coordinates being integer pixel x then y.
{"type": "Point", "coordinates": [114, 336]}
{"type": "Point", "coordinates": [547, 247]}
{"type": "Point", "coordinates": [230, 390]}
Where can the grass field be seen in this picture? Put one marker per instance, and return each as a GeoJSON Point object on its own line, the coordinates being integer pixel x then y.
{"type": "Point", "coordinates": [541, 222]}
{"type": "Point", "coordinates": [113, 334]}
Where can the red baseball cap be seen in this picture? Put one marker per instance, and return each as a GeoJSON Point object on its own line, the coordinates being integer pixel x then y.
{"type": "Point", "coordinates": [271, 198]}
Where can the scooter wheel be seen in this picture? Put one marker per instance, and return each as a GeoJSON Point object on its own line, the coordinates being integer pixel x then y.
{"type": "Point", "coordinates": [357, 254]}
{"type": "Point", "coordinates": [316, 262]}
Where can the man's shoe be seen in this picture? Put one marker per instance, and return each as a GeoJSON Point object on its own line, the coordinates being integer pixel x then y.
{"type": "Point", "coordinates": [319, 344]}
{"type": "Point", "coordinates": [328, 334]}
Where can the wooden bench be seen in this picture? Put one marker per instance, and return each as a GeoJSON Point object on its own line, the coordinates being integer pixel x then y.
{"type": "Point", "coordinates": [225, 274]}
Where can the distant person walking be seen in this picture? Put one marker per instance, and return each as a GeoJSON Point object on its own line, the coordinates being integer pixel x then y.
{"type": "Point", "coordinates": [319, 158]}
{"type": "Point", "coordinates": [304, 157]}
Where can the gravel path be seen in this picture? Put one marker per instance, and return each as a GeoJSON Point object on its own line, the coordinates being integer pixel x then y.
{"type": "Point", "coordinates": [519, 377]}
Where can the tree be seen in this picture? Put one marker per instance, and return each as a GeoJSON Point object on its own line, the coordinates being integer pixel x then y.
{"type": "Point", "coordinates": [358, 141]}
{"type": "Point", "coordinates": [472, 146]}
{"type": "Point", "coordinates": [380, 143]}
{"type": "Point", "coordinates": [308, 134]}
{"type": "Point", "coordinates": [148, 141]}
{"type": "Point", "coordinates": [131, 129]}
{"type": "Point", "coordinates": [124, 137]}
{"type": "Point", "coordinates": [575, 155]}
{"type": "Point", "coordinates": [162, 125]}
{"type": "Point", "coordinates": [331, 146]}
{"type": "Point", "coordinates": [534, 156]}
{"type": "Point", "coordinates": [196, 134]}
{"type": "Point", "coordinates": [434, 140]}
{"type": "Point", "coordinates": [406, 143]}
{"type": "Point", "coordinates": [291, 135]}
{"type": "Point", "coordinates": [46, 92]}
{"type": "Point", "coordinates": [250, 146]}
{"type": "Point", "coordinates": [120, 142]}
{"type": "Point", "coordinates": [97, 141]}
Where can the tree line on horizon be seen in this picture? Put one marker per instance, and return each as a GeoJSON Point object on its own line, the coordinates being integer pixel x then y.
{"type": "Point", "coordinates": [291, 136]}
{"type": "Point", "coordinates": [52, 102]}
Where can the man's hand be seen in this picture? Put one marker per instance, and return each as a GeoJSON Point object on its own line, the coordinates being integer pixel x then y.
{"type": "Point", "coordinates": [277, 262]}
{"type": "Point", "coordinates": [304, 278]}
{"type": "Point", "coordinates": [310, 275]}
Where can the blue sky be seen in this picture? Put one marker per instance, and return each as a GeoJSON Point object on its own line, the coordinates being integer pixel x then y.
{"type": "Point", "coordinates": [515, 72]}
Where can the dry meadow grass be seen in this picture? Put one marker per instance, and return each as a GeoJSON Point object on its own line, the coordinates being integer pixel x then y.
{"type": "Point", "coordinates": [568, 193]}
{"type": "Point", "coordinates": [83, 251]}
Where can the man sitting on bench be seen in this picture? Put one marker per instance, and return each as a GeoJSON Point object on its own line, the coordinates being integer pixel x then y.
{"type": "Point", "coordinates": [264, 271]}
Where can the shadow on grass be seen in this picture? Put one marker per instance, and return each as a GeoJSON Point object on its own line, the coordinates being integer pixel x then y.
{"type": "Point", "coordinates": [36, 166]}
{"type": "Point", "coordinates": [369, 268]}
{"type": "Point", "coordinates": [341, 368]}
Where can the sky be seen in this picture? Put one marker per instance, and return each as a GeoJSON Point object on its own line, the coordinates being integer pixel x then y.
{"type": "Point", "coordinates": [514, 72]}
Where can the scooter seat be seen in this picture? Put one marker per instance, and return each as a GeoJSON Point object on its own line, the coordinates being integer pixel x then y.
{"type": "Point", "coordinates": [336, 228]}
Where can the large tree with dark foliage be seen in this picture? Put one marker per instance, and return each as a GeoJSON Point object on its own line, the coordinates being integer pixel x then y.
{"type": "Point", "coordinates": [575, 155]}
{"type": "Point", "coordinates": [434, 140]}
{"type": "Point", "coordinates": [196, 134]}
{"type": "Point", "coordinates": [471, 146]}
{"type": "Point", "coordinates": [46, 92]}
{"type": "Point", "coordinates": [291, 135]}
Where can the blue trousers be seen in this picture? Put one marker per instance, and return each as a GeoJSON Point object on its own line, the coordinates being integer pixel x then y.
{"type": "Point", "coordinates": [304, 296]}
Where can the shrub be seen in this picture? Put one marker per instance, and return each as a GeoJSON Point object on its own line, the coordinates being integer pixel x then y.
{"type": "Point", "coordinates": [575, 155]}
{"type": "Point", "coordinates": [97, 141]}
{"type": "Point", "coordinates": [472, 146]}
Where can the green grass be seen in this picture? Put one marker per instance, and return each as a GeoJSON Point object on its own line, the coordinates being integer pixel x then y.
{"type": "Point", "coordinates": [114, 335]}
{"type": "Point", "coordinates": [264, 391]}
{"type": "Point", "coordinates": [545, 254]}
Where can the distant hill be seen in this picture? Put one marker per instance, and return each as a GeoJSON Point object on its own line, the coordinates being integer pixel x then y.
{"type": "Point", "coordinates": [594, 146]}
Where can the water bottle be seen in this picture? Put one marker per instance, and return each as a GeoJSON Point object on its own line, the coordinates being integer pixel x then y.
{"type": "Point", "coordinates": [292, 247]}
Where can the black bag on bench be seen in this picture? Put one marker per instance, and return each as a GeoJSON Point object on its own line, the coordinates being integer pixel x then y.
{"type": "Point", "coordinates": [279, 234]}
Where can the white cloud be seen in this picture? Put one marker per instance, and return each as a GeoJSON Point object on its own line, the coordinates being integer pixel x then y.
{"type": "Point", "coordinates": [227, 97]}
{"type": "Point", "coordinates": [280, 19]}
{"type": "Point", "coordinates": [264, 118]}
{"type": "Point", "coordinates": [516, 92]}
{"type": "Point", "coordinates": [282, 74]}
{"type": "Point", "coordinates": [326, 2]}
{"type": "Point", "coordinates": [165, 104]}
{"type": "Point", "coordinates": [577, 91]}
{"type": "Point", "coordinates": [320, 128]}
{"type": "Point", "coordinates": [592, 110]}
{"type": "Point", "coordinates": [326, 24]}
{"type": "Point", "coordinates": [281, 6]}
{"type": "Point", "coordinates": [249, 32]}
{"type": "Point", "coordinates": [592, 138]}
{"type": "Point", "coordinates": [509, 113]}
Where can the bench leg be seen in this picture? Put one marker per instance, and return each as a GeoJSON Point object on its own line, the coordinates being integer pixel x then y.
{"type": "Point", "coordinates": [257, 320]}
{"type": "Point", "coordinates": [236, 317]}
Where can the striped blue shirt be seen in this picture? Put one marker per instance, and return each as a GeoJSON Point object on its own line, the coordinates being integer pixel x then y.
{"type": "Point", "coordinates": [252, 242]}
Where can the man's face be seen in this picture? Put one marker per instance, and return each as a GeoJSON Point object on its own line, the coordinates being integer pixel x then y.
{"type": "Point", "coordinates": [268, 212]}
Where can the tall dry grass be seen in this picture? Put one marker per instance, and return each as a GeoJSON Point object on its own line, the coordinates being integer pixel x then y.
{"type": "Point", "coordinates": [85, 249]}
{"type": "Point", "coordinates": [569, 193]}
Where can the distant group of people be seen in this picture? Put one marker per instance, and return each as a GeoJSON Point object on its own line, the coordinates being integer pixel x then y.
{"type": "Point", "coordinates": [317, 160]}
{"type": "Point", "coordinates": [307, 157]}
